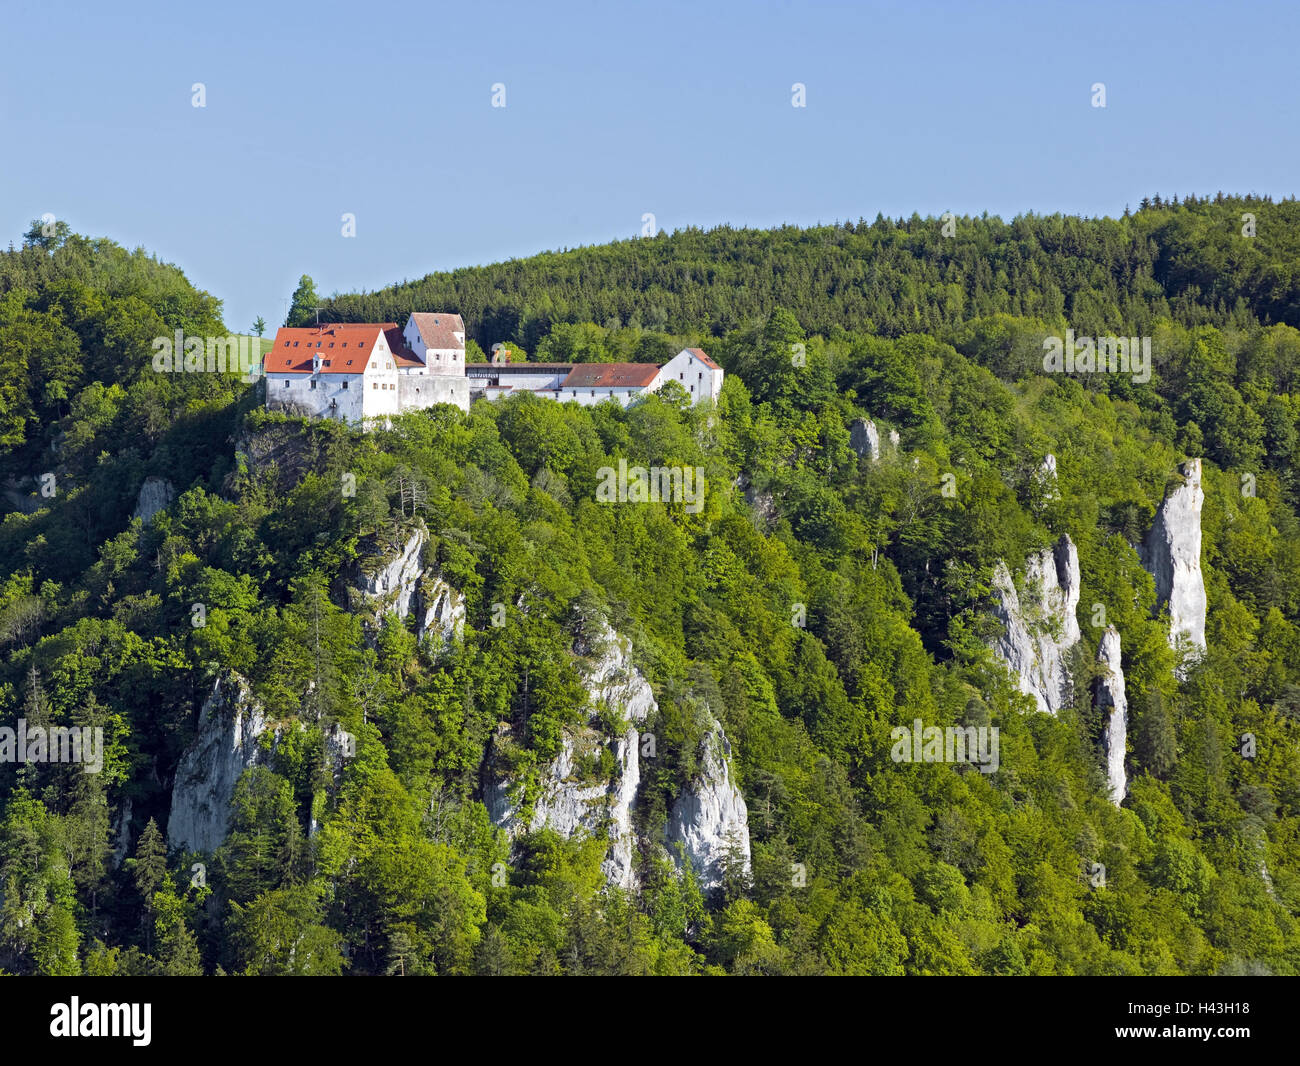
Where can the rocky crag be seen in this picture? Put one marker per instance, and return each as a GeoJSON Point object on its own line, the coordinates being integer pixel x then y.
{"type": "Point", "coordinates": [708, 818]}
{"type": "Point", "coordinates": [231, 723]}
{"type": "Point", "coordinates": [1113, 704]}
{"type": "Point", "coordinates": [1039, 624]}
{"type": "Point", "coordinates": [1172, 555]}
{"type": "Point", "coordinates": [396, 581]}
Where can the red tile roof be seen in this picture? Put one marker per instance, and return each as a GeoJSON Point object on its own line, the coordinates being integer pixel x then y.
{"type": "Point", "coordinates": [487, 369]}
{"type": "Point", "coordinates": [610, 375]}
{"type": "Point", "coordinates": [397, 345]}
{"type": "Point", "coordinates": [344, 347]}
{"type": "Point", "coordinates": [439, 330]}
{"type": "Point", "coordinates": [699, 354]}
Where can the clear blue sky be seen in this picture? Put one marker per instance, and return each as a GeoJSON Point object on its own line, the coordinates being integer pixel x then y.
{"type": "Point", "coordinates": [613, 109]}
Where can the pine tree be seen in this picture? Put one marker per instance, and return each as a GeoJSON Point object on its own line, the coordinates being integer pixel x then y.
{"type": "Point", "coordinates": [1156, 744]}
{"type": "Point", "coordinates": [148, 869]}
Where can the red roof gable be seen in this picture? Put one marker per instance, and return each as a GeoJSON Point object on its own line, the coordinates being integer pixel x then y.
{"type": "Point", "coordinates": [610, 375]}
{"type": "Point", "coordinates": [699, 354]}
{"type": "Point", "coordinates": [344, 347]}
{"type": "Point", "coordinates": [397, 345]}
{"type": "Point", "coordinates": [438, 330]}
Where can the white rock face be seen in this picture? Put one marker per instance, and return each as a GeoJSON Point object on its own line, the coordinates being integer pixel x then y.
{"type": "Point", "coordinates": [1039, 622]}
{"type": "Point", "coordinates": [441, 609]}
{"type": "Point", "coordinates": [122, 845]}
{"type": "Point", "coordinates": [394, 582]}
{"type": "Point", "coordinates": [710, 817]}
{"type": "Point", "coordinates": [339, 747]}
{"type": "Point", "coordinates": [1113, 703]}
{"type": "Point", "coordinates": [706, 819]}
{"type": "Point", "coordinates": [230, 723]}
{"type": "Point", "coordinates": [155, 494]}
{"type": "Point", "coordinates": [1047, 477]}
{"type": "Point", "coordinates": [864, 439]}
{"type": "Point", "coordinates": [894, 439]}
{"type": "Point", "coordinates": [569, 806]}
{"type": "Point", "coordinates": [1172, 555]}
{"type": "Point", "coordinates": [402, 584]}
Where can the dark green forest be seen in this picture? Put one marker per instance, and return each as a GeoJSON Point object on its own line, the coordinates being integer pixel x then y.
{"type": "Point", "coordinates": [392, 865]}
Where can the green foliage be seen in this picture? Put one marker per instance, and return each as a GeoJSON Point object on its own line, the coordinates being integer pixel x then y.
{"type": "Point", "coordinates": [817, 600]}
{"type": "Point", "coordinates": [303, 306]}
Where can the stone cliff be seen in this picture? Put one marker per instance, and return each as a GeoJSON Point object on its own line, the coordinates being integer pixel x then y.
{"type": "Point", "coordinates": [1039, 624]}
{"type": "Point", "coordinates": [707, 819]}
{"type": "Point", "coordinates": [1113, 704]}
{"type": "Point", "coordinates": [230, 723]}
{"type": "Point", "coordinates": [395, 581]}
{"type": "Point", "coordinates": [1172, 555]}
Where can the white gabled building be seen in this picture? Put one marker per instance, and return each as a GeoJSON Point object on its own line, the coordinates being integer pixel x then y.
{"type": "Point", "coordinates": [361, 371]}
{"type": "Point", "coordinates": [694, 371]}
{"type": "Point", "coordinates": [432, 363]}
{"type": "Point", "coordinates": [437, 341]}
{"type": "Point", "coordinates": [592, 383]}
{"type": "Point", "coordinates": [342, 370]}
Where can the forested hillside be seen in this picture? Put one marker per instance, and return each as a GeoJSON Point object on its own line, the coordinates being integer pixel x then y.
{"type": "Point", "coordinates": [1186, 261]}
{"type": "Point", "coordinates": [820, 598]}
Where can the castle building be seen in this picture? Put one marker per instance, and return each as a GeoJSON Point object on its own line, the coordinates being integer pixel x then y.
{"type": "Point", "coordinates": [356, 372]}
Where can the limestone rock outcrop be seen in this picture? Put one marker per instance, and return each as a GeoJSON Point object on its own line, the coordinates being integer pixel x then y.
{"type": "Point", "coordinates": [709, 820]}
{"type": "Point", "coordinates": [864, 439]}
{"type": "Point", "coordinates": [1039, 624]}
{"type": "Point", "coordinates": [15, 491]}
{"type": "Point", "coordinates": [570, 802]}
{"type": "Point", "coordinates": [155, 494]}
{"type": "Point", "coordinates": [1047, 477]}
{"type": "Point", "coordinates": [441, 609]}
{"type": "Point", "coordinates": [230, 723]}
{"type": "Point", "coordinates": [398, 583]}
{"type": "Point", "coordinates": [1172, 555]}
{"type": "Point", "coordinates": [1113, 704]}
{"type": "Point", "coordinates": [339, 747]}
